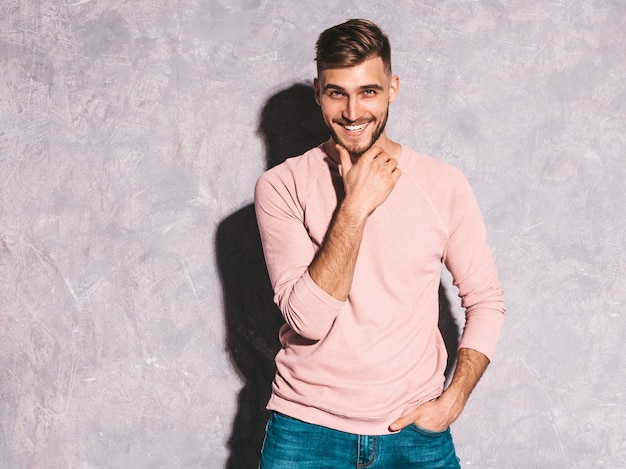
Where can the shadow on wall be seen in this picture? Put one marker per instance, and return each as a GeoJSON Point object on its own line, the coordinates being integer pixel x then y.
{"type": "Point", "coordinates": [290, 124]}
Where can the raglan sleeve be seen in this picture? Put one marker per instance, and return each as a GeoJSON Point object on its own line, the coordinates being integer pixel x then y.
{"type": "Point", "coordinates": [288, 251]}
{"type": "Point", "coordinates": [469, 259]}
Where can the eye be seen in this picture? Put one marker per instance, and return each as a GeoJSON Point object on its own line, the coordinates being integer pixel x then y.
{"type": "Point", "coordinates": [369, 92]}
{"type": "Point", "coordinates": [335, 94]}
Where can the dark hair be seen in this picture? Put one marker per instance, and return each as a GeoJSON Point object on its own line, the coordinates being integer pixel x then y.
{"type": "Point", "coordinates": [351, 43]}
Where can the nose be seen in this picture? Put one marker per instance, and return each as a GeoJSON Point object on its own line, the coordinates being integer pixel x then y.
{"type": "Point", "coordinates": [352, 111]}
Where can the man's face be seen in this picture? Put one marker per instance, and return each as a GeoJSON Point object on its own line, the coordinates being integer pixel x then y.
{"type": "Point", "coordinates": [355, 103]}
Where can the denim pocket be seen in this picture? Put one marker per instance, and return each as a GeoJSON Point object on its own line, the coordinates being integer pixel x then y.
{"type": "Point", "coordinates": [426, 432]}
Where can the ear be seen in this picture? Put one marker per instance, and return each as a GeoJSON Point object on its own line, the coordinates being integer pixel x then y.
{"type": "Point", "coordinates": [316, 90]}
{"type": "Point", "coordinates": [394, 88]}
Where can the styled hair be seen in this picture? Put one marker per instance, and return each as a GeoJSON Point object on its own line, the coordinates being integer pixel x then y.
{"type": "Point", "coordinates": [351, 43]}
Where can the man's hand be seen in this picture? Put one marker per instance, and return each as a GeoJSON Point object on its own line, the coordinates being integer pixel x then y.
{"type": "Point", "coordinates": [435, 416]}
{"type": "Point", "coordinates": [369, 181]}
{"type": "Point", "coordinates": [439, 414]}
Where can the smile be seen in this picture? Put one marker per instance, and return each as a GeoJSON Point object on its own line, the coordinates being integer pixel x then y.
{"type": "Point", "coordinates": [355, 128]}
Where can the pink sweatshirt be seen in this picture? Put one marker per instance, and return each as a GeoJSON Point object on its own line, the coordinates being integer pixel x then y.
{"type": "Point", "coordinates": [358, 365]}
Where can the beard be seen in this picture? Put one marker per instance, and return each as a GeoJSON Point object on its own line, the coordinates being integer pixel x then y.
{"type": "Point", "coordinates": [355, 149]}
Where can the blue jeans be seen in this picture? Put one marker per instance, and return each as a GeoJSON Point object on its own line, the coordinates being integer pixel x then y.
{"type": "Point", "coordinates": [291, 443]}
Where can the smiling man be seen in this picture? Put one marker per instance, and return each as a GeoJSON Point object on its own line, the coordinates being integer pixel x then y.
{"type": "Point", "coordinates": [354, 234]}
{"type": "Point", "coordinates": [355, 103]}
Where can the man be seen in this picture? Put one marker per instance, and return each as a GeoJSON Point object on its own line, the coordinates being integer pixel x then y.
{"type": "Point", "coordinates": [354, 233]}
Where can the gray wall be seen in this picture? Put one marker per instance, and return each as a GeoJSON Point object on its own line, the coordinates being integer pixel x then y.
{"type": "Point", "coordinates": [136, 327]}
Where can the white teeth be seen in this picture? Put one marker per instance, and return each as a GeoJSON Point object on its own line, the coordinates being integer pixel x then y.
{"type": "Point", "coordinates": [355, 128]}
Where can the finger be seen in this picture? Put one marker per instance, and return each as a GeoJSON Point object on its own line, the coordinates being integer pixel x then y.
{"type": "Point", "coordinates": [401, 423]}
{"type": "Point", "coordinates": [344, 159]}
{"type": "Point", "coordinates": [392, 167]}
{"type": "Point", "coordinates": [391, 163]}
{"type": "Point", "coordinates": [380, 154]}
{"type": "Point", "coordinates": [373, 153]}
{"type": "Point", "coordinates": [395, 174]}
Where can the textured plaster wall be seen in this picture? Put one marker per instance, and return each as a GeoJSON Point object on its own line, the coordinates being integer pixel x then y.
{"type": "Point", "coordinates": [136, 328]}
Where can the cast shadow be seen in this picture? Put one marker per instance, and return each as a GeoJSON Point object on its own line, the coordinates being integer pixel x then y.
{"type": "Point", "coordinates": [290, 124]}
{"type": "Point", "coordinates": [449, 329]}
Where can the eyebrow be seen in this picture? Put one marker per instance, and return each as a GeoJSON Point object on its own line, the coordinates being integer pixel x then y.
{"type": "Point", "coordinates": [374, 86]}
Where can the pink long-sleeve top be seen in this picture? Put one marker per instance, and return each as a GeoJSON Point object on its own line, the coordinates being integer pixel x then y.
{"type": "Point", "coordinates": [358, 365]}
